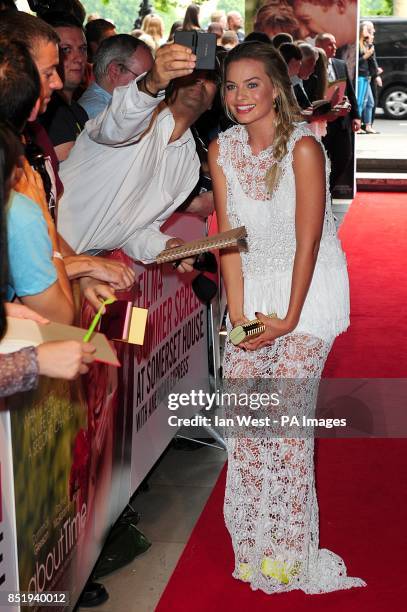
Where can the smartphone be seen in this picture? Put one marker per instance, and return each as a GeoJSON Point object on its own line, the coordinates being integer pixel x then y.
{"type": "Point", "coordinates": [203, 45]}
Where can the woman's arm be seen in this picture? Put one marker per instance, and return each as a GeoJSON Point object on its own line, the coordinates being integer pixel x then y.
{"type": "Point", "coordinates": [309, 172]}
{"type": "Point", "coordinates": [51, 304]}
{"type": "Point", "coordinates": [231, 265]}
{"type": "Point", "coordinates": [19, 371]}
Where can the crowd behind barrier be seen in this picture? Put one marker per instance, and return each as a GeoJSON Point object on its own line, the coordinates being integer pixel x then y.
{"type": "Point", "coordinates": [105, 141]}
{"type": "Point", "coordinates": [75, 452]}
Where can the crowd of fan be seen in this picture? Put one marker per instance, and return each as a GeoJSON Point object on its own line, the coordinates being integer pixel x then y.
{"type": "Point", "coordinates": [105, 136]}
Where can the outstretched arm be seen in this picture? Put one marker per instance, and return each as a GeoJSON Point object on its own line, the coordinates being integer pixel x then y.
{"type": "Point", "coordinates": [132, 107]}
{"type": "Point", "coordinates": [231, 265]}
{"type": "Point", "coordinates": [115, 273]}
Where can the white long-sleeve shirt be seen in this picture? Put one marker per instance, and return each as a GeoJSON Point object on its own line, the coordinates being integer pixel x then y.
{"type": "Point", "coordinates": [117, 191]}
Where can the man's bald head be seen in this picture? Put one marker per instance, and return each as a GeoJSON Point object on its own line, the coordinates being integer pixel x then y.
{"type": "Point", "coordinates": [327, 42]}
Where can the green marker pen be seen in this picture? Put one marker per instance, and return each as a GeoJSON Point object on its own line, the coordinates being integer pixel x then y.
{"type": "Point", "coordinates": [97, 318]}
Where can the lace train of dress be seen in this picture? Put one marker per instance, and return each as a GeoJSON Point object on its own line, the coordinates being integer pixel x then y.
{"type": "Point", "coordinates": [270, 507]}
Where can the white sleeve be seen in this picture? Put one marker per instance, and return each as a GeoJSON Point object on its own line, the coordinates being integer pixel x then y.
{"type": "Point", "coordinates": [146, 243]}
{"type": "Point", "coordinates": [126, 118]}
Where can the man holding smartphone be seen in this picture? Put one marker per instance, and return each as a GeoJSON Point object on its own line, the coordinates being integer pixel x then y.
{"type": "Point", "coordinates": [136, 162]}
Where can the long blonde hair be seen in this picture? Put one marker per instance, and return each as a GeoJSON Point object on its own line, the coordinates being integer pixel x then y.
{"type": "Point", "coordinates": [286, 106]}
{"type": "Point", "coordinates": [155, 28]}
{"type": "Point", "coordinates": [363, 46]}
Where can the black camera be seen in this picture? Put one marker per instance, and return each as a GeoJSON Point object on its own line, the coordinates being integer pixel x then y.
{"type": "Point", "coordinates": [203, 45]}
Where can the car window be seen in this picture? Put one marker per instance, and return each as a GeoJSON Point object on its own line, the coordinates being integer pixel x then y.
{"type": "Point", "coordinates": [391, 39]}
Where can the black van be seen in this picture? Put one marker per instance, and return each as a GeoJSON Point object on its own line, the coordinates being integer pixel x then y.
{"type": "Point", "coordinates": [391, 51]}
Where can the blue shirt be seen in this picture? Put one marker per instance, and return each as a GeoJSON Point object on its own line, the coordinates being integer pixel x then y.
{"type": "Point", "coordinates": [31, 269]}
{"type": "Point", "coordinates": [94, 100]}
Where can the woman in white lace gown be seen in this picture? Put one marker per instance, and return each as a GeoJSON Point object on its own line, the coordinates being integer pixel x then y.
{"type": "Point", "coordinates": [270, 174]}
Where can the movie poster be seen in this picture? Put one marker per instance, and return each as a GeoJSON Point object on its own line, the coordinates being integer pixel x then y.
{"type": "Point", "coordinates": [304, 20]}
{"type": "Point", "coordinates": [52, 515]}
{"type": "Point", "coordinates": [8, 549]}
{"type": "Point", "coordinates": [66, 441]}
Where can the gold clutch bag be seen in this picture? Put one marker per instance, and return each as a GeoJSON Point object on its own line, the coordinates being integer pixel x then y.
{"type": "Point", "coordinates": [248, 331]}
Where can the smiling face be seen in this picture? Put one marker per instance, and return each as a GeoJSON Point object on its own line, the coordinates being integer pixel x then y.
{"type": "Point", "coordinates": [333, 18]}
{"type": "Point", "coordinates": [74, 56]}
{"type": "Point", "coordinates": [249, 93]}
{"type": "Point", "coordinates": [317, 17]}
{"type": "Point", "coordinates": [46, 58]}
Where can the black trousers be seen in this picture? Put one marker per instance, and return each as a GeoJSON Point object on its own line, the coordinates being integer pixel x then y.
{"type": "Point", "coordinates": [339, 146]}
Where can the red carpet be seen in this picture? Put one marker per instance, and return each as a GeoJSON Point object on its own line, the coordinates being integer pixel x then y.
{"type": "Point", "coordinates": [362, 484]}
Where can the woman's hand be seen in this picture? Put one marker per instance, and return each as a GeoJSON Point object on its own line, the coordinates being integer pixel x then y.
{"type": "Point", "coordinates": [275, 328]}
{"type": "Point", "coordinates": [95, 291]}
{"type": "Point", "coordinates": [116, 273]}
{"type": "Point", "coordinates": [19, 311]}
{"type": "Point", "coordinates": [66, 359]}
{"type": "Point", "coordinates": [238, 320]}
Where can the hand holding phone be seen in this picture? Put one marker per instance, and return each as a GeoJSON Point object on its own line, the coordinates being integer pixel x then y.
{"type": "Point", "coordinates": [171, 62]}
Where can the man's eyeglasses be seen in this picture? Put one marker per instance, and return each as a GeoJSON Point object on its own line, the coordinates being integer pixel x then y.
{"type": "Point", "coordinates": [124, 67]}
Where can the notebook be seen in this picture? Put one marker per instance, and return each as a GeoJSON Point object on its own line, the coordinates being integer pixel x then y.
{"type": "Point", "coordinates": [24, 332]}
{"type": "Point", "coordinates": [230, 238]}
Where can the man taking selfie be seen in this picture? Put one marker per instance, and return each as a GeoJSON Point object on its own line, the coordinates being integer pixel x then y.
{"type": "Point", "coordinates": [136, 162]}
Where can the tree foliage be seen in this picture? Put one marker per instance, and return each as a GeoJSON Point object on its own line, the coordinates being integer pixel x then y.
{"type": "Point", "coordinates": [376, 7]}
{"type": "Point", "coordinates": [124, 12]}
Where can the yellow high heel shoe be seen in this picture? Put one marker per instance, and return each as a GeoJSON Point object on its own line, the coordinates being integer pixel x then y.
{"type": "Point", "coordinates": [245, 572]}
{"type": "Point", "coordinates": [279, 570]}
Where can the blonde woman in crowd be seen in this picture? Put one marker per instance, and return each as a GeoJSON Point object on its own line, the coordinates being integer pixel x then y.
{"type": "Point", "coordinates": [270, 174]}
{"type": "Point", "coordinates": [155, 28]}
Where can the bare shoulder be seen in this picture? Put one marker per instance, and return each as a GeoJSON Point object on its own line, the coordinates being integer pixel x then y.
{"type": "Point", "coordinates": [306, 149]}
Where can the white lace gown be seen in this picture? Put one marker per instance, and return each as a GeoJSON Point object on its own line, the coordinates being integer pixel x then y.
{"type": "Point", "coordinates": [270, 505]}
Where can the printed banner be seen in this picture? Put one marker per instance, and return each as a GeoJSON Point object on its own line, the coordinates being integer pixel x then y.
{"type": "Point", "coordinates": [75, 452]}
{"type": "Point", "coordinates": [175, 352]}
{"type": "Point", "coordinates": [304, 19]}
